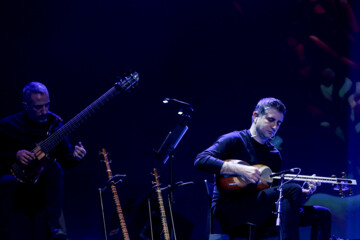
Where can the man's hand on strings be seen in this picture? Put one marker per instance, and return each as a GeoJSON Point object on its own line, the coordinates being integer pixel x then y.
{"type": "Point", "coordinates": [25, 156]}
{"type": "Point", "coordinates": [310, 187]}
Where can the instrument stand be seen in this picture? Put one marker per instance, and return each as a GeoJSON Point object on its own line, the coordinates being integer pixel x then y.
{"type": "Point", "coordinates": [166, 151]}
{"type": "Point", "coordinates": [171, 198]}
{"type": "Point", "coordinates": [278, 203]}
{"type": "Point", "coordinates": [150, 219]}
{"type": "Point", "coordinates": [170, 189]}
{"type": "Point", "coordinates": [173, 232]}
{"type": "Point", "coordinates": [102, 212]}
{"type": "Point", "coordinates": [109, 182]}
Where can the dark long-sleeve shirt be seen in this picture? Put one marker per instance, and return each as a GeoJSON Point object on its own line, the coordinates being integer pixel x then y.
{"type": "Point", "coordinates": [18, 132]}
{"type": "Point", "coordinates": [236, 145]}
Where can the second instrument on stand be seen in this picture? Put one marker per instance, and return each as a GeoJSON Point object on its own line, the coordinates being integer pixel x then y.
{"type": "Point", "coordinates": [161, 205]}
{"type": "Point", "coordinates": [116, 197]}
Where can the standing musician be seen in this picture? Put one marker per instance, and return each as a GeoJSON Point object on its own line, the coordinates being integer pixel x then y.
{"type": "Point", "coordinates": [234, 208]}
{"type": "Point", "coordinates": [24, 207]}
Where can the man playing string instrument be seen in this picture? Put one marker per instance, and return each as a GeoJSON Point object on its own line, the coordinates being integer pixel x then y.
{"type": "Point", "coordinates": [24, 208]}
{"type": "Point", "coordinates": [252, 146]}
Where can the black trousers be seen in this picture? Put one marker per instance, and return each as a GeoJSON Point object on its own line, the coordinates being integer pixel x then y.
{"type": "Point", "coordinates": [31, 211]}
{"type": "Point", "coordinates": [259, 209]}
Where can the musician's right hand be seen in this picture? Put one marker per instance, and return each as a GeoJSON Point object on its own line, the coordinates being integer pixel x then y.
{"type": "Point", "coordinates": [25, 156]}
{"type": "Point", "coordinates": [250, 173]}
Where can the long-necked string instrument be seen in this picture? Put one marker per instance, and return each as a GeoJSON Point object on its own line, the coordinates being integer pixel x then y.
{"type": "Point", "coordinates": [234, 183]}
{"type": "Point", "coordinates": [115, 195]}
{"type": "Point", "coordinates": [161, 205]}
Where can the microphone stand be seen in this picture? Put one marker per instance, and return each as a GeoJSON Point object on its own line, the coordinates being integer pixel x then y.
{"type": "Point", "coordinates": [278, 210]}
{"type": "Point", "coordinates": [280, 189]}
{"type": "Point", "coordinates": [169, 145]}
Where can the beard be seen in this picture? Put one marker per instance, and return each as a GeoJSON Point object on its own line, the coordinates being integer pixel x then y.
{"type": "Point", "coordinates": [42, 119]}
{"type": "Point", "coordinates": [264, 134]}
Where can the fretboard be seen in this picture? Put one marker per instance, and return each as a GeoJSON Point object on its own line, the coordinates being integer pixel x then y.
{"type": "Point", "coordinates": [319, 179]}
{"type": "Point", "coordinates": [54, 139]}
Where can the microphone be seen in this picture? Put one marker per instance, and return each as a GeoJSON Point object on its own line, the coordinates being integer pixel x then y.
{"type": "Point", "coordinates": [178, 184]}
{"type": "Point", "coordinates": [291, 170]}
{"type": "Point", "coordinates": [188, 105]}
{"type": "Point", "coordinates": [167, 100]}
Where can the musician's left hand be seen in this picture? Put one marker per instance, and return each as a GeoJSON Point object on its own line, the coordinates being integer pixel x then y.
{"type": "Point", "coordinates": [311, 186]}
{"type": "Point", "coordinates": [79, 152]}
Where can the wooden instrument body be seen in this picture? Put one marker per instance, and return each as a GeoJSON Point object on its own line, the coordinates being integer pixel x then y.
{"type": "Point", "coordinates": [237, 183]}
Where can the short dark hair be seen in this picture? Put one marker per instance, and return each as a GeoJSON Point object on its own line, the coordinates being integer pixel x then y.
{"type": "Point", "coordinates": [266, 103]}
{"type": "Point", "coordinates": [33, 87]}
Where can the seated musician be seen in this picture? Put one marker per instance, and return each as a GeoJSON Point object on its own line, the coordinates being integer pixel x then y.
{"type": "Point", "coordinates": [26, 207]}
{"type": "Point", "coordinates": [234, 208]}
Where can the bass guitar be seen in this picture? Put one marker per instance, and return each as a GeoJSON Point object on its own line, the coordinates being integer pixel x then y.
{"type": "Point", "coordinates": [116, 197]}
{"type": "Point", "coordinates": [236, 183]}
{"type": "Point", "coordinates": [161, 205]}
{"type": "Point", "coordinates": [31, 173]}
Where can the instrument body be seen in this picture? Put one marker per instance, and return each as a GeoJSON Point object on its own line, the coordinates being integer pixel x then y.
{"type": "Point", "coordinates": [116, 197]}
{"type": "Point", "coordinates": [161, 205]}
{"type": "Point", "coordinates": [30, 173]}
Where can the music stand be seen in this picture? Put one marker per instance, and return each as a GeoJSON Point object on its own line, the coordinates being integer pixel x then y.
{"type": "Point", "coordinates": [170, 143]}
{"type": "Point", "coordinates": [172, 139]}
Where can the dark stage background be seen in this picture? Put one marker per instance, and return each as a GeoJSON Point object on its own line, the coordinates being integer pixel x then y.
{"type": "Point", "coordinates": [220, 56]}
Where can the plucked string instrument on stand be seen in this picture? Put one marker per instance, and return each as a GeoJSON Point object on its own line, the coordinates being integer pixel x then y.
{"type": "Point", "coordinates": [116, 197]}
{"type": "Point", "coordinates": [162, 208]}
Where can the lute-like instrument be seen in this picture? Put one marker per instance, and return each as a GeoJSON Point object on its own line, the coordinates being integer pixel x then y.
{"type": "Point", "coordinates": [115, 196]}
{"type": "Point", "coordinates": [236, 183]}
{"type": "Point", "coordinates": [30, 173]}
{"type": "Point", "coordinates": [161, 205]}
